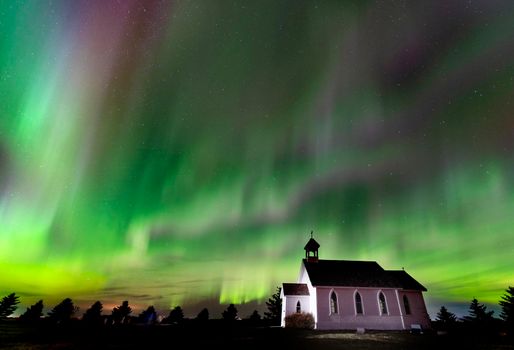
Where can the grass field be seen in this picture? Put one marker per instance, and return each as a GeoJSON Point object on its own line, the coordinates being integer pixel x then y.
{"type": "Point", "coordinates": [14, 335]}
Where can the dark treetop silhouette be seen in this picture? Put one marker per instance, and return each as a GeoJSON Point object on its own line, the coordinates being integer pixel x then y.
{"type": "Point", "coordinates": [176, 315]}
{"type": "Point", "coordinates": [63, 312]}
{"type": "Point", "coordinates": [203, 315]}
{"type": "Point", "coordinates": [507, 314]}
{"type": "Point", "coordinates": [93, 315]}
{"type": "Point", "coordinates": [274, 305]}
{"type": "Point", "coordinates": [33, 312]}
{"type": "Point", "coordinates": [8, 305]}
{"type": "Point", "coordinates": [230, 314]}
{"type": "Point", "coordinates": [121, 313]}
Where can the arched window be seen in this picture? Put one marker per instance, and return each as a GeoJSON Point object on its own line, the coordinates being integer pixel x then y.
{"type": "Point", "coordinates": [298, 307]}
{"type": "Point", "coordinates": [358, 304]}
{"type": "Point", "coordinates": [406, 305]}
{"type": "Point", "coordinates": [333, 303]}
{"type": "Point", "coordinates": [382, 303]}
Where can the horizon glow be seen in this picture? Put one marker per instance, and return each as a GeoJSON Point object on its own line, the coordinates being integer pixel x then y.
{"type": "Point", "coordinates": [180, 153]}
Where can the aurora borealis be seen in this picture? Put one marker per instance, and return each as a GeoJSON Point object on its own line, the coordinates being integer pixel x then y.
{"type": "Point", "coordinates": [180, 152]}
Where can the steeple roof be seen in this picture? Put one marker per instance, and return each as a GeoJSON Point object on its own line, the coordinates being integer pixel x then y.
{"type": "Point", "coordinates": [311, 245]}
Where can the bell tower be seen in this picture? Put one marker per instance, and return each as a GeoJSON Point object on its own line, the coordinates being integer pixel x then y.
{"type": "Point", "coordinates": [311, 250]}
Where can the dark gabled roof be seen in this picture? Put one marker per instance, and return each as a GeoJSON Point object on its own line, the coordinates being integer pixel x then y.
{"type": "Point", "coordinates": [295, 289]}
{"type": "Point", "coordinates": [348, 273]}
{"type": "Point", "coordinates": [311, 245]}
{"type": "Point", "coordinates": [406, 280]}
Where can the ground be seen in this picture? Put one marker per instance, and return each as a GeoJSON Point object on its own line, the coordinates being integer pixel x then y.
{"type": "Point", "coordinates": [13, 335]}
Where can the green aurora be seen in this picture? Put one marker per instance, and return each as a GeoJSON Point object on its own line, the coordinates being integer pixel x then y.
{"type": "Point", "coordinates": [181, 152]}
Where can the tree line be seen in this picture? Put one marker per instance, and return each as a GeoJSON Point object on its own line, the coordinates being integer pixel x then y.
{"type": "Point", "coordinates": [66, 311]}
{"type": "Point", "coordinates": [479, 318]}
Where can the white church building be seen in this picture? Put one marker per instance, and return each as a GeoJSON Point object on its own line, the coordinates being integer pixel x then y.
{"type": "Point", "coordinates": [345, 294]}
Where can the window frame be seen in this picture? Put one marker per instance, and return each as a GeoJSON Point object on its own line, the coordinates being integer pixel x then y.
{"type": "Point", "coordinates": [382, 304]}
{"type": "Point", "coordinates": [406, 305]}
{"type": "Point", "coordinates": [333, 304]}
{"type": "Point", "coordinates": [355, 294]}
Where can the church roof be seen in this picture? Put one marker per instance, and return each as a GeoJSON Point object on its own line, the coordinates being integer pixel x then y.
{"type": "Point", "coordinates": [311, 245]}
{"type": "Point", "coordinates": [295, 289]}
{"type": "Point", "coordinates": [348, 273]}
{"type": "Point", "coordinates": [406, 280]}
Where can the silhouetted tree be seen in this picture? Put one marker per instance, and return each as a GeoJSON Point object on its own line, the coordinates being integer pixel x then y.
{"type": "Point", "coordinates": [63, 311]}
{"type": "Point", "coordinates": [8, 305]}
{"type": "Point", "coordinates": [203, 315]}
{"type": "Point", "coordinates": [255, 316]}
{"type": "Point", "coordinates": [478, 313]}
{"type": "Point", "coordinates": [446, 317]}
{"type": "Point", "coordinates": [230, 314]}
{"type": "Point", "coordinates": [33, 312]}
{"type": "Point", "coordinates": [120, 313]}
{"type": "Point", "coordinates": [274, 305]}
{"type": "Point", "coordinates": [446, 320]}
{"type": "Point", "coordinates": [149, 316]}
{"type": "Point", "coordinates": [176, 316]}
{"type": "Point", "coordinates": [93, 315]}
{"type": "Point", "coordinates": [507, 314]}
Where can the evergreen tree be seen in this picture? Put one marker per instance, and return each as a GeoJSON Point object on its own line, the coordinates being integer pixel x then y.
{"type": "Point", "coordinates": [149, 316]}
{"type": "Point", "coordinates": [63, 312]}
{"type": "Point", "coordinates": [121, 313]}
{"type": "Point", "coordinates": [203, 315]}
{"type": "Point", "coordinates": [478, 313]}
{"type": "Point", "coordinates": [446, 320]}
{"type": "Point", "coordinates": [176, 316]}
{"type": "Point", "coordinates": [93, 315]}
{"type": "Point", "coordinates": [8, 305]}
{"type": "Point", "coordinates": [230, 314]}
{"type": "Point", "coordinates": [507, 314]}
{"type": "Point", "coordinates": [33, 312]}
{"type": "Point", "coordinates": [274, 305]}
{"type": "Point", "coordinates": [255, 316]}
{"type": "Point", "coordinates": [446, 317]}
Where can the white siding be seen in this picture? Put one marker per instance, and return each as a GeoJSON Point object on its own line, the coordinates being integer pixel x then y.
{"type": "Point", "coordinates": [303, 277]}
{"type": "Point", "coordinates": [419, 314]}
{"type": "Point", "coordinates": [289, 305]}
{"type": "Point", "coordinates": [346, 318]}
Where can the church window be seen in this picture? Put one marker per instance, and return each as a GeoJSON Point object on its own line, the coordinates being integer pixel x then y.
{"type": "Point", "coordinates": [358, 304]}
{"type": "Point", "coordinates": [406, 305]}
{"type": "Point", "coordinates": [382, 303]}
{"type": "Point", "coordinates": [298, 307]}
{"type": "Point", "coordinates": [333, 303]}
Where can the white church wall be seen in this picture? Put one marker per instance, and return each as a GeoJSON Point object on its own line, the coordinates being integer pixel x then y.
{"type": "Point", "coordinates": [418, 314]}
{"type": "Point", "coordinates": [289, 303]}
{"type": "Point", "coordinates": [303, 277]}
{"type": "Point", "coordinates": [346, 317]}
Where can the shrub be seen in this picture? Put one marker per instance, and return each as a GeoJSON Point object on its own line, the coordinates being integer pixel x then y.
{"type": "Point", "coordinates": [300, 320]}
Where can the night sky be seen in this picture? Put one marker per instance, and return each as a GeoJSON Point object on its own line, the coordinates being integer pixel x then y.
{"type": "Point", "coordinates": [180, 152]}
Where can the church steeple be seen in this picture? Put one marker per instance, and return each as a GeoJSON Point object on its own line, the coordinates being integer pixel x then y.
{"type": "Point", "coordinates": [311, 250]}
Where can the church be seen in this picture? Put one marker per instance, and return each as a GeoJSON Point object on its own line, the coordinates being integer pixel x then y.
{"type": "Point", "coordinates": [345, 294]}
